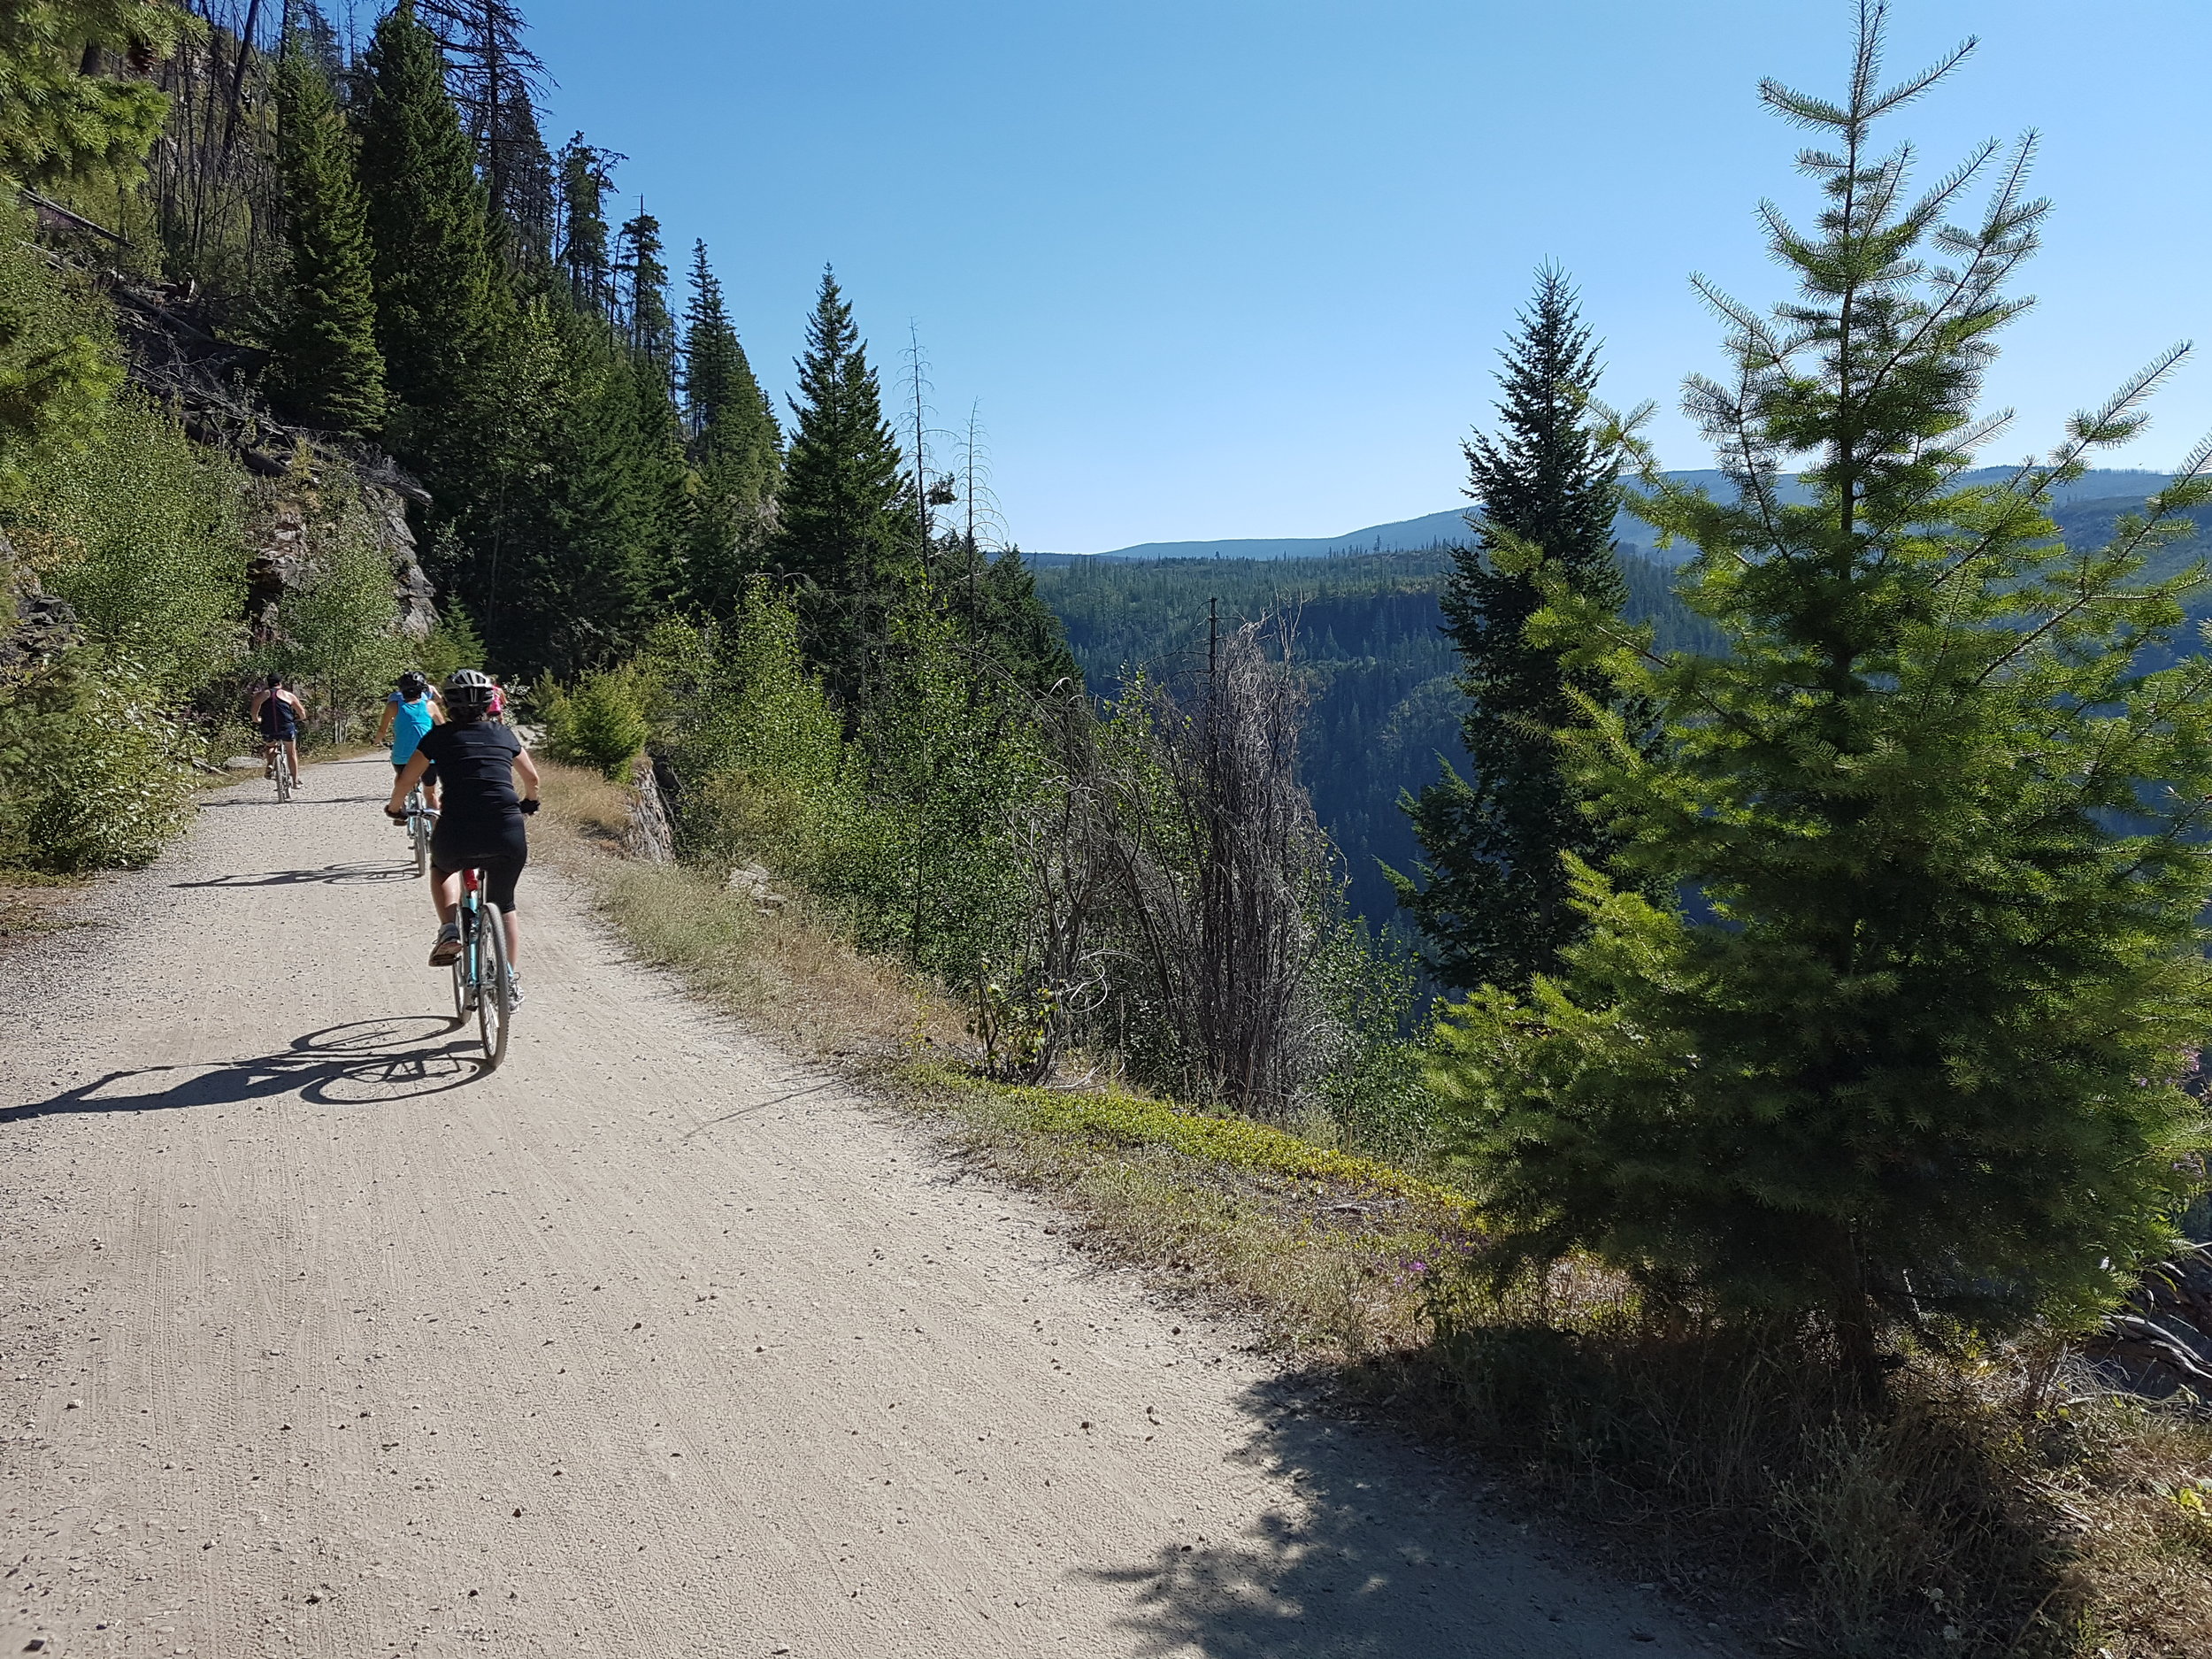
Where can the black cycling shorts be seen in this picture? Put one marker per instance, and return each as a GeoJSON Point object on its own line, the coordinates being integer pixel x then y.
{"type": "Point", "coordinates": [429, 772]}
{"type": "Point", "coordinates": [498, 848]}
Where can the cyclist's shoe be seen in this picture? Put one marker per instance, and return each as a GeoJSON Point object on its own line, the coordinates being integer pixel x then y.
{"type": "Point", "coordinates": [449, 945]}
{"type": "Point", "coordinates": [514, 989]}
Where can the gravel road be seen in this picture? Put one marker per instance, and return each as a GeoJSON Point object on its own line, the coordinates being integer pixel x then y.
{"type": "Point", "coordinates": [655, 1342]}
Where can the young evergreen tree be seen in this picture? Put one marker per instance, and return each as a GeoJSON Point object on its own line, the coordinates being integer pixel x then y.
{"type": "Point", "coordinates": [1919, 1075]}
{"type": "Point", "coordinates": [735, 448]}
{"type": "Point", "coordinates": [439, 296]}
{"type": "Point", "coordinates": [326, 364]}
{"type": "Point", "coordinates": [843, 527]}
{"type": "Point", "coordinates": [1492, 901]}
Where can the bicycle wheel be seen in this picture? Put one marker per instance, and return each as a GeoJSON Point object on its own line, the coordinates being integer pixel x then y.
{"type": "Point", "coordinates": [283, 773]}
{"type": "Point", "coordinates": [419, 831]}
{"type": "Point", "coordinates": [493, 1010]}
{"type": "Point", "coordinates": [462, 967]}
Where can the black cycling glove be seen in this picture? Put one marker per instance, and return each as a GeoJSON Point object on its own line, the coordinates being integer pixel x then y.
{"type": "Point", "coordinates": [528, 807]}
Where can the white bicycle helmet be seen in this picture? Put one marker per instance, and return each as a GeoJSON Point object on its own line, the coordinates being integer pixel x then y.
{"type": "Point", "coordinates": [467, 689]}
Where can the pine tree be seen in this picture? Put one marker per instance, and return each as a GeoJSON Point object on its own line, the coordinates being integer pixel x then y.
{"type": "Point", "coordinates": [665, 485]}
{"type": "Point", "coordinates": [585, 177]}
{"type": "Point", "coordinates": [438, 295]}
{"type": "Point", "coordinates": [652, 329]}
{"type": "Point", "coordinates": [59, 124]}
{"type": "Point", "coordinates": [1917, 1076]}
{"type": "Point", "coordinates": [580, 576]}
{"type": "Point", "coordinates": [526, 208]}
{"type": "Point", "coordinates": [1494, 905]}
{"type": "Point", "coordinates": [493, 76]}
{"type": "Point", "coordinates": [326, 364]}
{"type": "Point", "coordinates": [735, 446]}
{"type": "Point", "coordinates": [843, 527]}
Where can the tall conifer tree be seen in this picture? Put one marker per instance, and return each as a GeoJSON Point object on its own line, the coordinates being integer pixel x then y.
{"type": "Point", "coordinates": [652, 327]}
{"type": "Point", "coordinates": [438, 293]}
{"type": "Point", "coordinates": [327, 365]}
{"type": "Point", "coordinates": [580, 574]}
{"type": "Point", "coordinates": [843, 523]}
{"type": "Point", "coordinates": [1495, 906]}
{"type": "Point", "coordinates": [735, 446]}
{"type": "Point", "coordinates": [584, 179]}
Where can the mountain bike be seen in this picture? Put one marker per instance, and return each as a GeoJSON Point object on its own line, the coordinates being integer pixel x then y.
{"type": "Point", "coordinates": [421, 821]}
{"type": "Point", "coordinates": [281, 769]}
{"type": "Point", "coordinates": [481, 983]}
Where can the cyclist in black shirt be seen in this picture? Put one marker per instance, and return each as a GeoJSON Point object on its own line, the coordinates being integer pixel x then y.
{"type": "Point", "coordinates": [481, 826]}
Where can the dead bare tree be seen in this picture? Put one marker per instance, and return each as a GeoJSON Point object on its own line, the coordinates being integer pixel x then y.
{"type": "Point", "coordinates": [1060, 843]}
{"type": "Point", "coordinates": [1220, 864]}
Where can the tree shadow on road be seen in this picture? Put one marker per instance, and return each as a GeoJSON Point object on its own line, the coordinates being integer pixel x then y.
{"type": "Point", "coordinates": [1384, 1553]}
{"type": "Point", "coordinates": [364, 1063]}
{"type": "Point", "coordinates": [330, 873]}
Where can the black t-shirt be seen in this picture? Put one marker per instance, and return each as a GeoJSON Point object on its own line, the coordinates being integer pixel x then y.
{"type": "Point", "coordinates": [476, 768]}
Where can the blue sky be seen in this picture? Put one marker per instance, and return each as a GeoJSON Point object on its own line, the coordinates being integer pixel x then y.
{"type": "Point", "coordinates": [1219, 267]}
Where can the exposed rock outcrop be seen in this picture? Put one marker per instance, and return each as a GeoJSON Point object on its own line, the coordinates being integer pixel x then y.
{"type": "Point", "coordinates": [35, 626]}
{"type": "Point", "coordinates": [175, 353]}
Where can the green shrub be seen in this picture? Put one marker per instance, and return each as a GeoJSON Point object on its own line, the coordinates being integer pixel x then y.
{"type": "Point", "coordinates": [94, 773]}
{"type": "Point", "coordinates": [142, 531]}
{"type": "Point", "coordinates": [59, 362]}
{"type": "Point", "coordinates": [452, 643]}
{"type": "Point", "coordinates": [337, 640]}
{"type": "Point", "coordinates": [765, 770]}
{"type": "Point", "coordinates": [598, 724]}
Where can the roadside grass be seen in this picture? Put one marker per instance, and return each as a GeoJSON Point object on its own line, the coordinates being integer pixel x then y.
{"type": "Point", "coordinates": [2003, 1506]}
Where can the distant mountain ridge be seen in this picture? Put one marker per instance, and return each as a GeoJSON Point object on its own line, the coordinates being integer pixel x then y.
{"type": "Point", "coordinates": [2118, 489]}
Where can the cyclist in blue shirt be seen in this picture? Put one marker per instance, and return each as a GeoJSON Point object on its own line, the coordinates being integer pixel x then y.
{"type": "Point", "coordinates": [409, 712]}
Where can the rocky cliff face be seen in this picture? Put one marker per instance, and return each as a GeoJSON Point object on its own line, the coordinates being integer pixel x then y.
{"type": "Point", "coordinates": [174, 354]}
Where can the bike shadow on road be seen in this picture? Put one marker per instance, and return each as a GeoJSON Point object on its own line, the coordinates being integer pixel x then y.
{"type": "Point", "coordinates": [327, 873]}
{"type": "Point", "coordinates": [1384, 1552]}
{"type": "Point", "coordinates": [364, 1062]}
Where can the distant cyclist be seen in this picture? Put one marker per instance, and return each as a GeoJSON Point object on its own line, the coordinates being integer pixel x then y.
{"type": "Point", "coordinates": [278, 712]}
{"type": "Point", "coordinates": [481, 827]}
{"type": "Point", "coordinates": [412, 708]}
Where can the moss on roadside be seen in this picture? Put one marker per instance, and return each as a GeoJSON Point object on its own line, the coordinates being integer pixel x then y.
{"type": "Point", "coordinates": [1109, 1118]}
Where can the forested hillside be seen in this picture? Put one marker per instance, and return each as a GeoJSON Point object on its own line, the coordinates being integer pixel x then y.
{"type": "Point", "coordinates": [1367, 639]}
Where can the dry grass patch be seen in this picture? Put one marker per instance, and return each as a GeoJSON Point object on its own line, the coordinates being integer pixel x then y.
{"type": "Point", "coordinates": [792, 973]}
{"type": "Point", "coordinates": [33, 905]}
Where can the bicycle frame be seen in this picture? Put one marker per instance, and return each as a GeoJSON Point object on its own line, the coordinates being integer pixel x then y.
{"type": "Point", "coordinates": [479, 972]}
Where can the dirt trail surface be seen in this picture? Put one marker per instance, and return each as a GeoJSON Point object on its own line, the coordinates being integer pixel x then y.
{"type": "Point", "coordinates": [313, 1341]}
